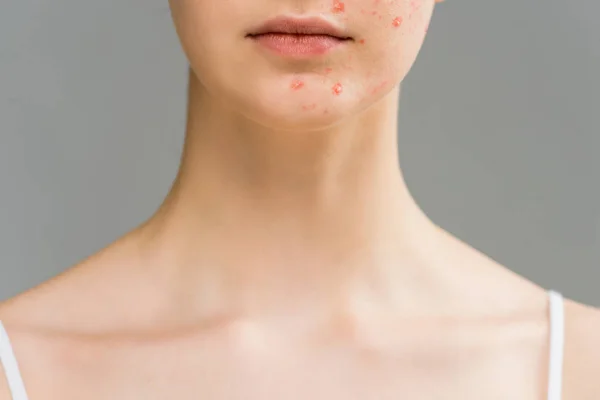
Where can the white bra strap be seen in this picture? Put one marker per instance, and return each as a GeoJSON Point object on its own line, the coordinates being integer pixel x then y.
{"type": "Point", "coordinates": [11, 367]}
{"type": "Point", "coordinates": [557, 340]}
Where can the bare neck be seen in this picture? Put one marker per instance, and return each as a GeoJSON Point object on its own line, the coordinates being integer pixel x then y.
{"type": "Point", "coordinates": [264, 213]}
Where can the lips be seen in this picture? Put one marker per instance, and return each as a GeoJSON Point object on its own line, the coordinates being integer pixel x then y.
{"type": "Point", "coordinates": [298, 37]}
{"type": "Point", "coordinates": [300, 26]}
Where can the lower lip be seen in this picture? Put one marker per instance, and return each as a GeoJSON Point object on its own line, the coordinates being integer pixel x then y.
{"type": "Point", "coordinates": [298, 45]}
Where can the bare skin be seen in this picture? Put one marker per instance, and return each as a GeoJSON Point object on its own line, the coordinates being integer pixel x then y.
{"type": "Point", "coordinates": [289, 260]}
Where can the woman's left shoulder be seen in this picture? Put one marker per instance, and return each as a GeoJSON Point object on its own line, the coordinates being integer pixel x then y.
{"type": "Point", "coordinates": [581, 351]}
{"type": "Point", "coordinates": [582, 326]}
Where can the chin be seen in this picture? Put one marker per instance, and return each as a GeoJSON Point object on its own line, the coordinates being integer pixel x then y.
{"type": "Point", "coordinates": [306, 109]}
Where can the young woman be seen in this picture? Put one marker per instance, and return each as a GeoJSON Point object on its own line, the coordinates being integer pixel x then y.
{"type": "Point", "coordinates": [289, 261]}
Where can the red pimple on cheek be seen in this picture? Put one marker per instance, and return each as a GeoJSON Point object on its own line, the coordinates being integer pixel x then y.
{"type": "Point", "coordinates": [338, 6]}
{"type": "Point", "coordinates": [337, 89]}
{"type": "Point", "coordinates": [361, 41]}
{"type": "Point", "coordinates": [297, 84]}
{"type": "Point", "coordinates": [328, 71]}
{"type": "Point", "coordinates": [397, 22]}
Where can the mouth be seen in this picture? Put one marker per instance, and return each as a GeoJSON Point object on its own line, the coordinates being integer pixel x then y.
{"type": "Point", "coordinates": [299, 36]}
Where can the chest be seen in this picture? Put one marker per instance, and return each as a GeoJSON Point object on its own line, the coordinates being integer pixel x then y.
{"type": "Point", "coordinates": [515, 371]}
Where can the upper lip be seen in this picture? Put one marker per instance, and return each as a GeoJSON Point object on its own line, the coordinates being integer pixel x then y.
{"type": "Point", "coordinates": [299, 26]}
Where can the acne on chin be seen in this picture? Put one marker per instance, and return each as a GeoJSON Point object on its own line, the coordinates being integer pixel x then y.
{"type": "Point", "coordinates": [334, 96]}
{"type": "Point", "coordinates": [343, 86]}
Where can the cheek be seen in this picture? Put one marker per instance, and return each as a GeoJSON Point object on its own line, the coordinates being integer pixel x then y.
{"type": "Point", "coordinates": [391, 35]}
{"type": "Point", "coordinates": [391, 23]}
{"type": "Point", "coordinates": [205, 27]}
{"type": "Point", "coordinates": [189, 18]}
{"type": "Point", "coordinates": [213, 55]}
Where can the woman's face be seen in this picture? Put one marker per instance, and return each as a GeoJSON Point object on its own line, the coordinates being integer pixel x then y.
{"type": "Point", "coordinates": [309, 81]}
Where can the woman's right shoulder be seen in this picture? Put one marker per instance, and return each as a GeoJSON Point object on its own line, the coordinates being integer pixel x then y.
{"type": "Point", "coordinates": [13, 313]}
{"type": "Point", "coordinates": [34, 322]}
{"type": "Point", "coordinates": [64, 297]}
{"type": "Point", "coordinates": [4, 390]}
{"type": "Point", "coordinates": [28, 305]}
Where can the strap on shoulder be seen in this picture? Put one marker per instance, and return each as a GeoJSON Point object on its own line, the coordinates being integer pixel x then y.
{"type": "Point", "coordinates": [557, 339]}
{"type": "Point", "coordinates": [11, 367]}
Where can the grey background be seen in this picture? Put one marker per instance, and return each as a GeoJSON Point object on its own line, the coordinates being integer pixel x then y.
{"type": "Point", "coordinates": [498, 140]}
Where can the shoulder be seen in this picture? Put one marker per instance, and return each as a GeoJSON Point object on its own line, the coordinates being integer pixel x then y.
{"type": "Point", "coordinates": [582, 351]}
{"type": "Point", "coordinates": [31, 335]}
{"type": "Point", "coordinates": [12, 310]}
{"type": "Point", "coordinates": [4, 390]}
